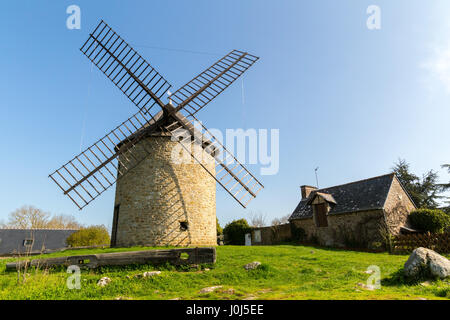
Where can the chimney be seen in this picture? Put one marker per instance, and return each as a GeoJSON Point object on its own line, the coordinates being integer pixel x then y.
{"type": "Point", "coordinates": [306, 190]}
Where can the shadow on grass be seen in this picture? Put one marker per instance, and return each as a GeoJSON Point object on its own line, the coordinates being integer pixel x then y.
{"type": "Point", "coordinates": [399, 278]}
{"type": "Point", "coordinates": [333, 249]}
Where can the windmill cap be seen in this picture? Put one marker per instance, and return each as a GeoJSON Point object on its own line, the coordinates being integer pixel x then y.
{"type": "Point", "coordinates": [157, 132]}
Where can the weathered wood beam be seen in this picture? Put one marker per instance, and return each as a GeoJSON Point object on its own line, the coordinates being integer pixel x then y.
{"type": "Point", "coordinates": [91, 261]}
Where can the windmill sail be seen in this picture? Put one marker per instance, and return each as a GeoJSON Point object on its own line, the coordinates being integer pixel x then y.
{"type": "Point", "coordinates": [229, 172]}
{"type": "Point", "coordinates": [201, 90]}
{"type": "Point", "coordinates": [97, 168]}
{"type": "Point", "coordinates": [131, 73]}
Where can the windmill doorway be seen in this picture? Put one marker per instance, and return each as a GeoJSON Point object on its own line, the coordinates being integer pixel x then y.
{"type": "Point", "coordinates": [114, 227]}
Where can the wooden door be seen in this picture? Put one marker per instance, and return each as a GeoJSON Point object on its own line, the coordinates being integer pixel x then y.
{"type": "Point", "coordinates": [114, 226]}
{"type": "Point", "coordinates": [321, 215]}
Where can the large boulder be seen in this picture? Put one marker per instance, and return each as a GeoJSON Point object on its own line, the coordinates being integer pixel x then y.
{"type": "Point", "coordinates": [439, 265]}
{"type": "Point", "coordinates": [428, 261]}
{"type": "Point", "coordinates": [416, 263]}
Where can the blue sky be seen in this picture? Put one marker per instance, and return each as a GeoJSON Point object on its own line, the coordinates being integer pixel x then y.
{"type": "Point", "coordinates": [346, 99]}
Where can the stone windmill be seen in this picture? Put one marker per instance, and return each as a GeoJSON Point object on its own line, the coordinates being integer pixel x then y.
{"type": "Point", "coordinates": [160, 200]}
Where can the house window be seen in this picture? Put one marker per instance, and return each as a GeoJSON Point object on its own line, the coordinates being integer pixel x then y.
{"type": "Point", "coordinates": [28, 242]}
{"type": "Point", "coordinates": [321, 215]}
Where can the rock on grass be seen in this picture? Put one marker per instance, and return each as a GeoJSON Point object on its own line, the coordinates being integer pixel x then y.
{"type": "Point", "coordinates": [426, 260]}
{"type": "Point", "coordinates": [366, 286]}
{"type": "Point", "coordinates": [147, 274]}
{"type": "Point", "coordinates": [210, 289]}
{"type": "Point", "coordinates": [103, 281]}
{"type": "Point", "coordinates": [252, 265]}
{"type": "Point", "coordinates": [151, 274]}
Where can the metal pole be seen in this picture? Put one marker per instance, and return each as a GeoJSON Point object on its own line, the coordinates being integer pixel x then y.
{"type": "Point", "coordinates": [317, 179]}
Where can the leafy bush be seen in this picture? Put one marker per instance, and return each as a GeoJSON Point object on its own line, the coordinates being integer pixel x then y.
{"type": "Point", "coordinates": [235, 232]}
{"type": "Point", "coordinates": [218, 227]}
{"type": "Point", "coordinates": [90, 236]}
{"type": "Point", "coordinates": [432, 220]}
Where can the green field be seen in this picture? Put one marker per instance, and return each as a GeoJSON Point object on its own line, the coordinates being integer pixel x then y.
{"type": "Point", "coordinates": [287, 272]}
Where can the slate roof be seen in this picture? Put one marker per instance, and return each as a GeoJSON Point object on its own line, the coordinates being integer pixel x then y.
{"type": "Point", "coordinates": [368, 194]}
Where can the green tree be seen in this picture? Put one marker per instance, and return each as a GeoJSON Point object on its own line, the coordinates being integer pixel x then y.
{"type": "Point", "coordinates": [423, 191]}
{"type": "Point", "coordinates": [446, 187]}
{"type": "Point", "coordinates": [218, 227]}
{"type": "Point", "coordinates": [235, 232]}
{"type": "Point", "coordinates": [90, 236]}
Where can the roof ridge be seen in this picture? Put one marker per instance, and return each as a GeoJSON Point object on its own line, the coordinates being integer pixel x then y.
{"type": "Point", "coordinates": [367, 179]}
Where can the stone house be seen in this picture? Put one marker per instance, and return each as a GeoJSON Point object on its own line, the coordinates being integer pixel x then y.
{"type": "Point", "coordinates": [358, 214]}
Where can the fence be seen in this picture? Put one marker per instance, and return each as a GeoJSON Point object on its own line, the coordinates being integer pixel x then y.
{"type": "Point", "coordinates": [406, 243]}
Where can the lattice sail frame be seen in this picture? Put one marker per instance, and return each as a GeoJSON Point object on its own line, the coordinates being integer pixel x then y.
{"type": "Point", "coordinates": [90, 173]}
{"type": "Point", "coordinates": [194, 96]}
{"type": "Point", "coordinates": [239, 182]}
{"type": "Point", "coordinates": [131, 73]}
{"type": "Point", "coordinates": [97, 168]}
{"type": "Point", "coordinates": [202, 89]}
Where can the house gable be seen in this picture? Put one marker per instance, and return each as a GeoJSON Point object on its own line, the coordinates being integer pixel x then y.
{"type": "Point", "coordinates": [397, 207]}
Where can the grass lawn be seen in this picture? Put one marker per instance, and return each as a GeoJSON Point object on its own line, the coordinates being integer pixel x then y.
{"type": "Point", "coordinates": [288, 272]}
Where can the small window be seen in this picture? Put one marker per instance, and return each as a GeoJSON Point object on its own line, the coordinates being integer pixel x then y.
{"type": "Point", "coordinates": [184, 226]}
{"type": "Point", "coordinates": [28, 242]}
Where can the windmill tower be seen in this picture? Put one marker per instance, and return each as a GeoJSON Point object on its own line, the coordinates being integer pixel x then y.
{"type": "Point", "coordinates": [165, 162]}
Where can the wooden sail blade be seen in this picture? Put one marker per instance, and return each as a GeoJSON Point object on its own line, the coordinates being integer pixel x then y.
{"type": "Point", "coordinates": [201, 90]}
{"type": "Point", "coordinates": [97, 168]}
{"type": "Point", "coordinates": [131, 73]}
{"type": "Point", "coordinates": [233, 176]}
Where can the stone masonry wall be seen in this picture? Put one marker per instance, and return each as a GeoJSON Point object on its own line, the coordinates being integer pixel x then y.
{"type": "Point", "coordinates": [397, 207]}
{"type": "Point", "coordinates": [158, 198]}
{"type": "Point", "coordinates": [359, 230]}
{"type": "Point", "coordinates": [272, 235]}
